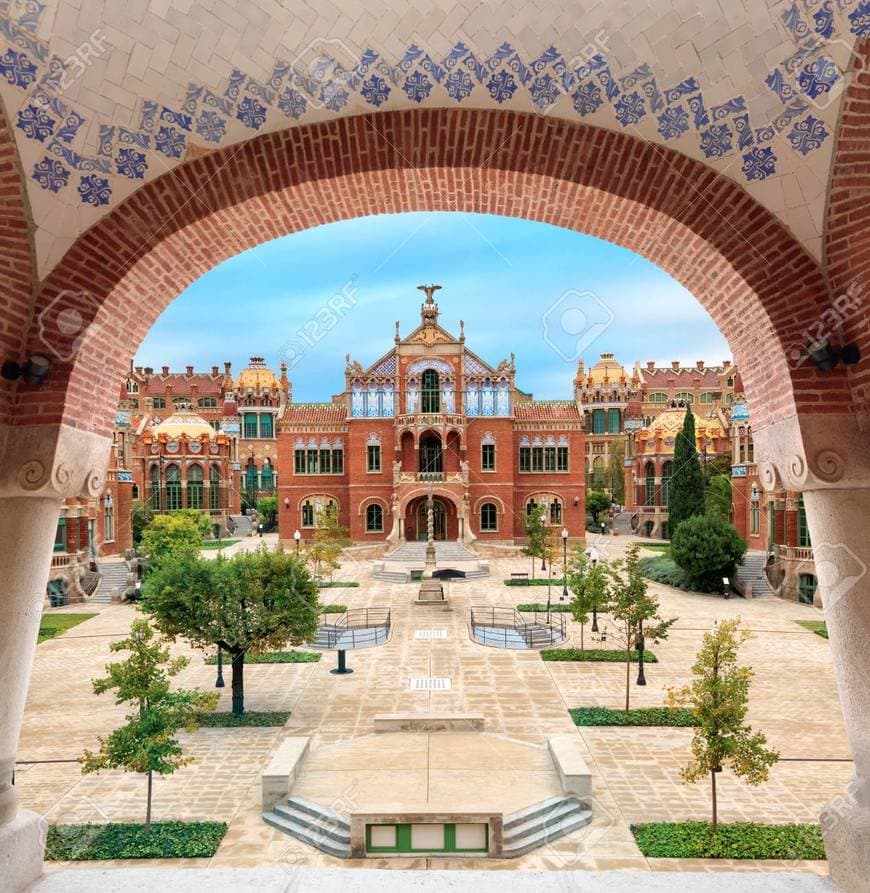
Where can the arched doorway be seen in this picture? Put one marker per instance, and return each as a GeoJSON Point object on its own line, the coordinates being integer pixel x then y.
{"type": "Point", "coordinates": [439, 517]}
{"type": "Point", "coordinates": [431, 455]}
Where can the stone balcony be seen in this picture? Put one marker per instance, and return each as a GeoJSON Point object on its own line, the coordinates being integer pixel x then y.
{"type": "Point", "coordinates": [430, 420]}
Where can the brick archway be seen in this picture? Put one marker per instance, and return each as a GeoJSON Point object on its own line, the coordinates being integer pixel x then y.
{"type": "Point", "coordinates": [760, 286]}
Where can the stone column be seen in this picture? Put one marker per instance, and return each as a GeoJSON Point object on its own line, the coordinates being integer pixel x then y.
{"type": "Point", "coordinates": [39, 467]}
{"type": "Point", "coordinates": [826, 458]}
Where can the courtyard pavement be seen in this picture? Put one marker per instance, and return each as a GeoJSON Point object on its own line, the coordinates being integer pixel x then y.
{"type": "Point", "coordinates": [524, 699]}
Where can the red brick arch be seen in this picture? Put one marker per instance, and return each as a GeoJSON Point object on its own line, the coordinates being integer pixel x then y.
{"type": "Point", "coordinates": [761, 288]}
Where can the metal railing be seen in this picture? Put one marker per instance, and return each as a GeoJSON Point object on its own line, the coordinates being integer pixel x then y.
{"type": "Point", "coordinates": [356, 628]}
{"type": "Point", "coordinates": [534, 628]}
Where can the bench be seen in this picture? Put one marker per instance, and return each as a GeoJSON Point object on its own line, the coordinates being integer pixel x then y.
{"type": "Point", "coordinates": [517, 576]}
{"type": "Point", "coordinates": [278, 777]}
{"type": "Point", "coordinates": [567, 754]}
{"type": "Point", "coordinates": [429, 722]}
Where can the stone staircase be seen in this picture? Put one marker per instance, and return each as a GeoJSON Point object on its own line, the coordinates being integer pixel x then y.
{"type": "Point", "coordinates": [241, 525]}
{"type": "Point", "coordinates": [446, 553]}
{"type": "Point", "coordinates": [396, 567]}
{"type": "Point", "coordinates": [751, 572]}
{"type": "Point", "coordinates": [622, 523]}
{"type": "Point", "coordinates": [316, 825]}
{"type": "Point", "coordinates": [542, 823]}
{"type": "Point", "coordinates": [114, 576]}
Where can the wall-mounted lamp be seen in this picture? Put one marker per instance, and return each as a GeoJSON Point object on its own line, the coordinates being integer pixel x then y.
{"type": "Point", "coordinates": [825, 358]}
{"type": "Point", "coordinates": [576, 500]}
{"type": "Point", "coordinates": [34, 371]}
{"type": "Point", "coordinates": [286, 502]}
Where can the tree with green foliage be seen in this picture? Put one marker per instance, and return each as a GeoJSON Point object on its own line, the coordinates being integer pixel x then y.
{"type": "Point", "coordinates": [146, 743]}
{"type": "Point", "coordinates": [331, 537]}
{"type": "Point", "coordinates": [597, 502]}
{"type": "Point", "coordinates": [267, 509]}
{"type": "Point", "coordinates": [174, 533]}
{"type": "Point", "coordinates": [248, 604]}
{"type": "Point", "coordinates": [707, 548]}
{"type": "Point", "coordinates": [717, 497]}
{"type": "Point", "coordinates": [634, 611]}
{"type": "Point", "coordinates": [589, 584]}
{"type": "Point", "coordinates": [536, 533]}
{"type": "Point", "coordinates": [720, 464]}
{"type": "Point", "coordinates": [140, 517]}
{"type": "Point", "coordinates": [719, 699]}
{"type": "Point", "coordinates": [616, 472]}
{"type": "Point", "coordinates": [686, 493]}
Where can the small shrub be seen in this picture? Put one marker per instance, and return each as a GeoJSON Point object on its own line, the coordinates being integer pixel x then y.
{"type": "Point", "coordinates": [707, 548]}
{"type": "Point", "coordinates": [603, 655]}
{"type": "Point", "coordinates": [662, 569]}
{"type": "Point", "coordinates": [739, 840]}
{"type": "Point", "coordinates": [333, 609]}
{"type": "Point", "coordinates": [638, 716]}
{"type": "Point", "coordinates": [276, 657]}
{"type": "Point", "coordinates": [538, 581]}
{"type": "Point", "coordinates": [166, 840]}
{"type": "Point", "coordinates": [339, 584]}
{"type": "Point", "coordinates": [541, 608]}
{"type": "Point", "coordinates": [263, 719]}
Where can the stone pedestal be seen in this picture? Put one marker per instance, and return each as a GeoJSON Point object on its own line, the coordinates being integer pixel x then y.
{"type": "Point", "coordinates": [431, 593]}
{"type": "Point", "coordinates": [22, 847]}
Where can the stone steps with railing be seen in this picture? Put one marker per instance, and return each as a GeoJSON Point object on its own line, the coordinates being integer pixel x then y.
{"type": "Point", "coordinates": [752, 574]}
{"type": "Point", "coordinates": [114, 582]}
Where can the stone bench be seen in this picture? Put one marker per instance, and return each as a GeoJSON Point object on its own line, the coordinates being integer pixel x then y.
{"type": "Point", "coordinates": [567, 754]}
{"type": "Point", "coordinates": [429, 722]}
{"type": "Point", "coordinates": [278, 777]}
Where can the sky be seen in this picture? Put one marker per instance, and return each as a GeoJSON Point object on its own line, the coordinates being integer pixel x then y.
{"type": "Point", "coordinates": [549, 295]}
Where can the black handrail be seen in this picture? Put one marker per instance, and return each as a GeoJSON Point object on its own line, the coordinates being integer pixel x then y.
{"type": "Point", "coordinates": [540, 630]}
{"type": "Point", "coordinates": [366, 626]}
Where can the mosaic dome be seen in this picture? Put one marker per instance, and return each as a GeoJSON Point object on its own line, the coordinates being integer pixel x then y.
{"type": "Point", "coordinates": [185, 422]}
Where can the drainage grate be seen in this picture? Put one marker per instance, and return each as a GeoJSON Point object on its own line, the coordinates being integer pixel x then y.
{"type": "Point", "coordinates": [430, 634]}
{"type": "Point", "coordinates": [430, 683]}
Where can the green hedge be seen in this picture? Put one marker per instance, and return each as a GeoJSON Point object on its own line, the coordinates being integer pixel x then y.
{"type": "Point", "coordinates": [740, 840]}
{"type": "Point", "coordinates": [166, 840]}
{"type": "Point", "coordinates": [819, 627]}
{"type": "Point", "coordinates": [538, 581]}
{"type": "Point", "coordinates": [639, 716]}
{"type": "Point", "coordinates": [218, 544]}
{"type": "Point", "coordinates": [663, 569]}
{"type": "Point", "coordinates": [333, 609]}
{"type": "Point", "coordinates": [262, 719]}
{"type": "Point", "coordinates": [542, 608]}
{"type": "Point", "coordinates": [274, 657]}
{"type": "Point", "coordinates": [339, 584]}
{"type": "Point", "coordinates": [603, 655]}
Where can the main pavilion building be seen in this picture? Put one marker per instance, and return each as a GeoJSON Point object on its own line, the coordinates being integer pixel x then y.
{"type": "Point", "coordinates": [431, 417]}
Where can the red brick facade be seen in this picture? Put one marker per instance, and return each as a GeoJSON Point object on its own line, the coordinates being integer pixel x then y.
{"type": "Point", "coordinates": [431, 413]}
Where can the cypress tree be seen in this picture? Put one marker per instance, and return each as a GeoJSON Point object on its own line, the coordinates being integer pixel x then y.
{"type": "Point", "coordinates": [686, 497]}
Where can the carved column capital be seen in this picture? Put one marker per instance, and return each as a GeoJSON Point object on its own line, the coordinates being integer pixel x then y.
{"type": "Point", "coordinates": [814, 452]}
{"type": "Point", "coordinates": [52, 460]}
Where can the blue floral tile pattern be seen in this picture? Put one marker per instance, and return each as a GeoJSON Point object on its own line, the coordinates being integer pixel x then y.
{"type": "Point", "coordinates": [35, 123]}
{"type": "Point", "coordinates": [131, 164]}
{"type": "Point", "coordinates": [94, 190]}
{"type": "Point", "coordinates": [17, 69]}
{"type": "Point", "coordinates": [759, 163]}
{"type": "Point", "coordinates": [859, 20]}
{"type": "Point", "coordinates": [169, 142]}
{"type": "Point", "coordinates": [251, 113]}
{"type": "Point", "coordinates": [808, 135]}
{"type": "Point", "coordinates": [375, 91]}
{"type": "Point", "coordinates": [50, 174]}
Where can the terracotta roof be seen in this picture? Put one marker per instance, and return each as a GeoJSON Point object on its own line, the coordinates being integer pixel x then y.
{"type": "Point", "coordinates": [180, 383]}
{"type": "Point", "coordinates": [684, 377]}
{"type": "Point", "coordinates": [547, 411]}
{"type": "Point", "coordinates": [315, 413]}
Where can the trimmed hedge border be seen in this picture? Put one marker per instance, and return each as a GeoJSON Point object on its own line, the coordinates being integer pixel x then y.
{"type": "Point", "coordinates": [333, 609]}
{"type": "Point", "coordinates": [819, 627]}
{"type": "Point", "coordinates": [274, 657]}
{"type": "Point", "coordinates": [542, 608]}
{"type": "Point", "coordinates": [538, 581]}
{"type": "Point", "coordinates": [737, 840]}
{"type": "Point", "coordinates": [638, 716]}
{"type": "Point", "coordinates": [601, 655]}
{"type": "Point", "coordinates": [166, 840]}
{"type": "Point", "coordinates": [340, 584]}
{"type": "Point", "coordinates": [267, 719]}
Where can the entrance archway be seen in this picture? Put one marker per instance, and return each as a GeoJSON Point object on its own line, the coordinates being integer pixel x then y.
{"type": "Point", "coordinates": [439, 518]}
{"type": "Point", "coordinates": [760, 286]}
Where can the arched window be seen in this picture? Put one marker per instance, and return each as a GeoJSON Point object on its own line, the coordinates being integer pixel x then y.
{"type": "Point", "coordinates": [194, 487]}
{"type": "Point", "coordinates": [657, 397]}
{"type": "Point", "coordinates": [755, 512]}
{"type": "Point", "coordinates": [267, 478]}
{"type": "Point", "coordinates": [598, 472]}
{"type": "Point", "coordinates": [374, 518]}
{"type": "Point", "coordinates": [155, 488]}
{"type": "Point", "coordinates": [307, 514]}
{"type": "Point", "coordinates": [214, 481]}
{"type": "Point", "coordinates": [667, 471]}
{"type": "Point", "coordinates": [108, 519]}
{"type": "Point", "coordinates": [803, 531]}
{"type": "Point", "coordinates": [134, 492]}
{"type": "Point", "coordinates": [180, 401]}
{"type": "Point", "coordinates": [707, 397]}
{"type": "Point", "coordinates": [430, 392]}
{"type": "Point", "coordinates": [489, 517]}
{"type": "Point", "coordinates": [251, 479]}
{"type": "Point", "coordinates": [650, 494]}
{"type": "Point", "coordinates": [613, 421]}
{"type": "Point", "coordinates": [686, 396]}
{"type": "Point", "coordinates": [598, 421]}
{"type": "Point", "coordinates": [173, 488]}
{"type": "Point", "coordinates": [207, 403]}
{"type": "Point", "coordinates": [555, 511]}
{"type": "Point", "coordinates": [158, 403]}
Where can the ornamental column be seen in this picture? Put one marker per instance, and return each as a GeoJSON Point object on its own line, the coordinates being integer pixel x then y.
{"type": "Point", "coordinates": [826, 459]}
{"type": "Point", "coordinates": [40, 466]}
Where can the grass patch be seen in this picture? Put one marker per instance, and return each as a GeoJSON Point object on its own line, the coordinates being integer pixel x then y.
{"type": "Point", "coordinates": [266, 719]}
{"type": "Point", "coordinates": [656, 547]}
{"type": "Point", "coordinates": [274, 657]}
{"type": "Point", "coordinates": [218, 544]}
{"type": "Point", "coordinates": [663, 569]}
{"type": "Point", "coordinates": [538, 581]}
{"type": "Point", "coordinates": [333, 609]}
{"type": "Point", "coordinates": [166, 840]}
{"type": "Point", "coordinates": [602, 655]}
{"type": "Point", "coordinates": [819, 627]}
{"type": "Point", "coordinates": [639, 716]}
{"type": "Point", "coordinates": [541, 608]}
{"type": "Point", "coordinates": [738, 840]}
{"type": "Point", "coordinates": [339, 584]}
{"type": "Point", "coordinates": [51, 625]}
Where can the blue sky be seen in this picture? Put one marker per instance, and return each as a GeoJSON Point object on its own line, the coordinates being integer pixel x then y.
{"type": "Point", "coordinates": [549, 295]}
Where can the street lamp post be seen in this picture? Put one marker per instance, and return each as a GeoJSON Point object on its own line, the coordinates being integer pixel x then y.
{"type": "Point", "coordinates": [543, 552]}
{"type": "Point", "coordinates": [219, 682]}
{"type": "Point", "coordinates": [641, 679]}
{"type": "Point", "coordinates": [564, 564]}
{"type": "Point", "coordinates": [593, 560]}
{"type": "Point", "coordinates": [297, 536]}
